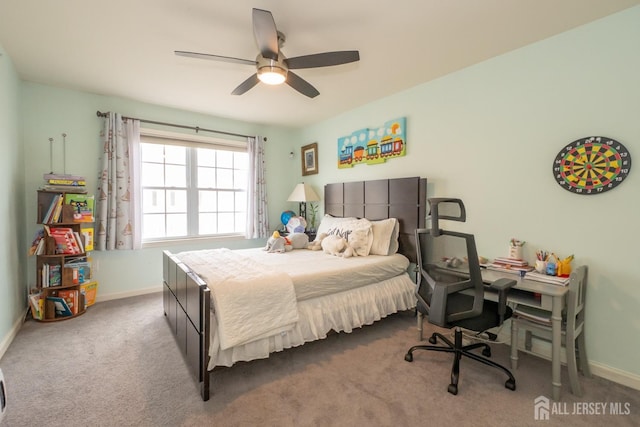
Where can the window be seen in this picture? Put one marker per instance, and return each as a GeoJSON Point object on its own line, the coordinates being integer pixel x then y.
{"type": "Point", "coordinates": [192, 188]}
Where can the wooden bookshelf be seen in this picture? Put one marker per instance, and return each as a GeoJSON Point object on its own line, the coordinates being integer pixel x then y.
{"type": "Point", "coordinates": [62, 266]}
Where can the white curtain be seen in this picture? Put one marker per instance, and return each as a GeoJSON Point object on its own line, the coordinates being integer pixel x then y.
{"type": "Point", "coordinates": [257, 215]}
{"type": "Point", "coordinates": [117, 216]}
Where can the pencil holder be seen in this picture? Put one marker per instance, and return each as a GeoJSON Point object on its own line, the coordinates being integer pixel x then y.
{"type": "Point", "coordinates": [541, 266]}
{"type": "Point", "coordinates": [515, 252]}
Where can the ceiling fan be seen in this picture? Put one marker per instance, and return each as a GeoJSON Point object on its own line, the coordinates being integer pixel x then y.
{"type": "Point", "coordinates": [272, 67]}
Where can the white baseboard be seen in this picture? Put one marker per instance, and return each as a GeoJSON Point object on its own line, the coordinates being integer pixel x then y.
{"type": "Point", "coordinates": [616, 375]}
{"type": "Point", "coordinates": [119, 295]}
{"type": "Point", "coordinates": [4, 345]}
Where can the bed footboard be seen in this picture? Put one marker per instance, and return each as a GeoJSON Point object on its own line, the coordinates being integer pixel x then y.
{"type": "Point", "coordinates": [187, 302]}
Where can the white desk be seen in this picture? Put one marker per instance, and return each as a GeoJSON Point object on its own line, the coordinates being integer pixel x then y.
{"type": "Point", "coordinates": [550, 298]}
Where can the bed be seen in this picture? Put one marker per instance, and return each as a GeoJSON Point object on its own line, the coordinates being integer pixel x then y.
{"type": "Point", "coordinates": [250, 303]}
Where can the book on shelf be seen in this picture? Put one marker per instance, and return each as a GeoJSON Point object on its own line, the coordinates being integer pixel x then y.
{"type": "Point", "coordinates": [36, 303]}
{"type": "Point", "coordinates": [71, 298]}
{"type": "Point", "coordinates": [51, 275]}
{"type": "Point", "coordinates": [62, 308]}
{"type": "Point", "coordinates": [41, 247]}
{"type": "Point", "coordinates": [64, 179]}
{"type": "Point", "coordinates": [54, 210]}
{"type": "Point", "coordinates": [65, 240]}
{"type": "Point", "coordinates": [64, 188]}
{"type": "Point", "coordinates": [90, 291]}
{"type": "Point", "coordinates": [87, 233]}
{"type": "Point", "coordinates": [83, 206]}
{"type": "Point", "coordinates": [82, 266]}
{"type": "Point", "coordinates": [54, 275]}
{"type": "Point", "coordinates": [62, 176]}
{"type": "Point", "coordinates": [72, 275]}
{"type": "Point", "coordinates": [79, 239]}
{"type": "Point", "coordinates": [57, 211]}
{"type": "Point", "coordinates": [37, 242]}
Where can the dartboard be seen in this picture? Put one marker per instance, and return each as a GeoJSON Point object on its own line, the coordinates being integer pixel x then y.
{"type": "Point", "coordinates": [592, 165]}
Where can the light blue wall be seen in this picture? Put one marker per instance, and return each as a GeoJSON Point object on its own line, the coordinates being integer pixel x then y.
{"type": "Point", "coordinates": [489, 134]}
{"type": "Point", "coordinates": [12, 241]}
{"type": "Point", "coordinates": [49, 112]}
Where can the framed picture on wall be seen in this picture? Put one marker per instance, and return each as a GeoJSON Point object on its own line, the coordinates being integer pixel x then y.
{"type": "Point", "coordinates": [309, 155]}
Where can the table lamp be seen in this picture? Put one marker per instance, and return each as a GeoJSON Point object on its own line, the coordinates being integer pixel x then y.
{"type": "Point", "coordinates": [303, 193]}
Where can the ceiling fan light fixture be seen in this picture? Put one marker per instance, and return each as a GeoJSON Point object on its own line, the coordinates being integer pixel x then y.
{"type": "Point", "coordinates": [272, 74]}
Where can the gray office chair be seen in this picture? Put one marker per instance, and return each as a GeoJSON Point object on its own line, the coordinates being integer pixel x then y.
{"type": "Point", "coordinates": [452, 296]}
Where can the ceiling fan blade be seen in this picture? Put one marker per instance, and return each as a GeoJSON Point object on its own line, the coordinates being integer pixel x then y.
{"type": "Point", "coordinates": [246, 85]}
{"type": "Point", "coordinates": [266, 34]}
{"type": "Point", "coordinates": [326, 59]}
{"type": "Point", "coordinates": [215, 57]}
{"type": "Point", "coordinates": [301, 85]}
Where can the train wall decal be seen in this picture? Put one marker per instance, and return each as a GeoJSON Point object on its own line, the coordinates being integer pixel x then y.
{"type": "Point", "coordinates": [373, 145]}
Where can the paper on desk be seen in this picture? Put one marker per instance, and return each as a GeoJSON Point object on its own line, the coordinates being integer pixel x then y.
{"type": "Point", "coordinates": [554, 280]}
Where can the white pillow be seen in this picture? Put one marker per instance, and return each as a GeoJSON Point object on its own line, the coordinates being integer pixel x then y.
{"type": "Point", "coordinates": [385, 236]}
{"type": "Point", "coordinates": [329, 222]}
{"type": "Point", "coordinates": [356, 231]}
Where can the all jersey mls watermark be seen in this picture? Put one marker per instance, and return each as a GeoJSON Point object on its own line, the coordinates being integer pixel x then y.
{"type": "Point", "coordinates": [543, 408]}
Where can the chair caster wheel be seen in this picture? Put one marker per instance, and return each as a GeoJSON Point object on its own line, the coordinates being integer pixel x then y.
{"type": "Point", "coordinates": [510, 384]}
{"type": "Point", "coordinates": [453, 389]}
{"type": "Point", "coordinates": [433, 340]}
{"type": "Point", "coordinates": [486, 352]}
{"type": "Point", "coordinates": [408, 357]}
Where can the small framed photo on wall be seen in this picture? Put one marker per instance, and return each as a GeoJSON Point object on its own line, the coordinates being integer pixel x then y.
{"type": "Point", "coordinates": [310, 159]}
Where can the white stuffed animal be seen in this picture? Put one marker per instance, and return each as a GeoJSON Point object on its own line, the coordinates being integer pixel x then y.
{"type": "Point", "coordinates": [316, 245]}
{"type": "Point", "coordinates": [298, 240]}
{"type": "Point", "coordinates": [296, 224]}
{"type": "Point", "coordinates": [338, 246]}
{"type": "Point", "coordinates": [278, 244]}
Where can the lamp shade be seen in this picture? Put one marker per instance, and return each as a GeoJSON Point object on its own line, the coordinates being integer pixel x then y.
{"type": "Point", "coordinates": [303, 193]}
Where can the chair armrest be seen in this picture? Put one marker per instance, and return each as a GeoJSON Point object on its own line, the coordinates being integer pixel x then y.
{"type": "Point", "coordinates": [503, 286]}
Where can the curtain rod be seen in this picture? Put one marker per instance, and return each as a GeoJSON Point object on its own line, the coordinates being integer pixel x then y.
{"type": "Point", "coordinates": [196, 128]}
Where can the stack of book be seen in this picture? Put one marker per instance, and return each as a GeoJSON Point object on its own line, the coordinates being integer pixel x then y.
{"type": "Point", "coordinates": [54, 213]}
{"type": "Point", "coordinates": [71, 298]}
{"type": "Point", "coordinates": [67, 241]}
{"type": "Point", "coordinates": [64, 183]}
{"type": "Point", "coordinates": [554, 280]}
{"type": "Point", "coordinates": [510, 265]}
{"type": "Point", "coordinates": [51, 275]}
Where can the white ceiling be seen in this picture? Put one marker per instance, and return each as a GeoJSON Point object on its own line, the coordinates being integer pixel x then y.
{"type": "Point", "coordinates": [125, 48]}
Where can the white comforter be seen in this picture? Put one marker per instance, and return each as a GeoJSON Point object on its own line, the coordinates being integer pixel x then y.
{"type": "Point", "coordinates": [316, 274]}
{"type": "Point", "coordinates": [252, 300]}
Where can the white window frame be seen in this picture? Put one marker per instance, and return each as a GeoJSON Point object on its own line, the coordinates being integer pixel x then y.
{"type": "Point", "coordinates": [155, 136]}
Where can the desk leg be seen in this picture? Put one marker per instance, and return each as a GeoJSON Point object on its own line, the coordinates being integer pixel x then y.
{"type": "Point", "coordinates": [420, 319]}
{"type": "Point", "coordinates": [514, 344]}
{"type": "Point", "coordinates": [556, 343]}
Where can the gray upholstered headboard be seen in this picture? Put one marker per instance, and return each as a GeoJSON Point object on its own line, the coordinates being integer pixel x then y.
{"type": "Point", "coordinates": [402, 198]}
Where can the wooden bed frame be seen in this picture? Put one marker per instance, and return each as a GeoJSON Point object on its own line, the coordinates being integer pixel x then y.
{"type": "Point", "coordinates": [187, 299]}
